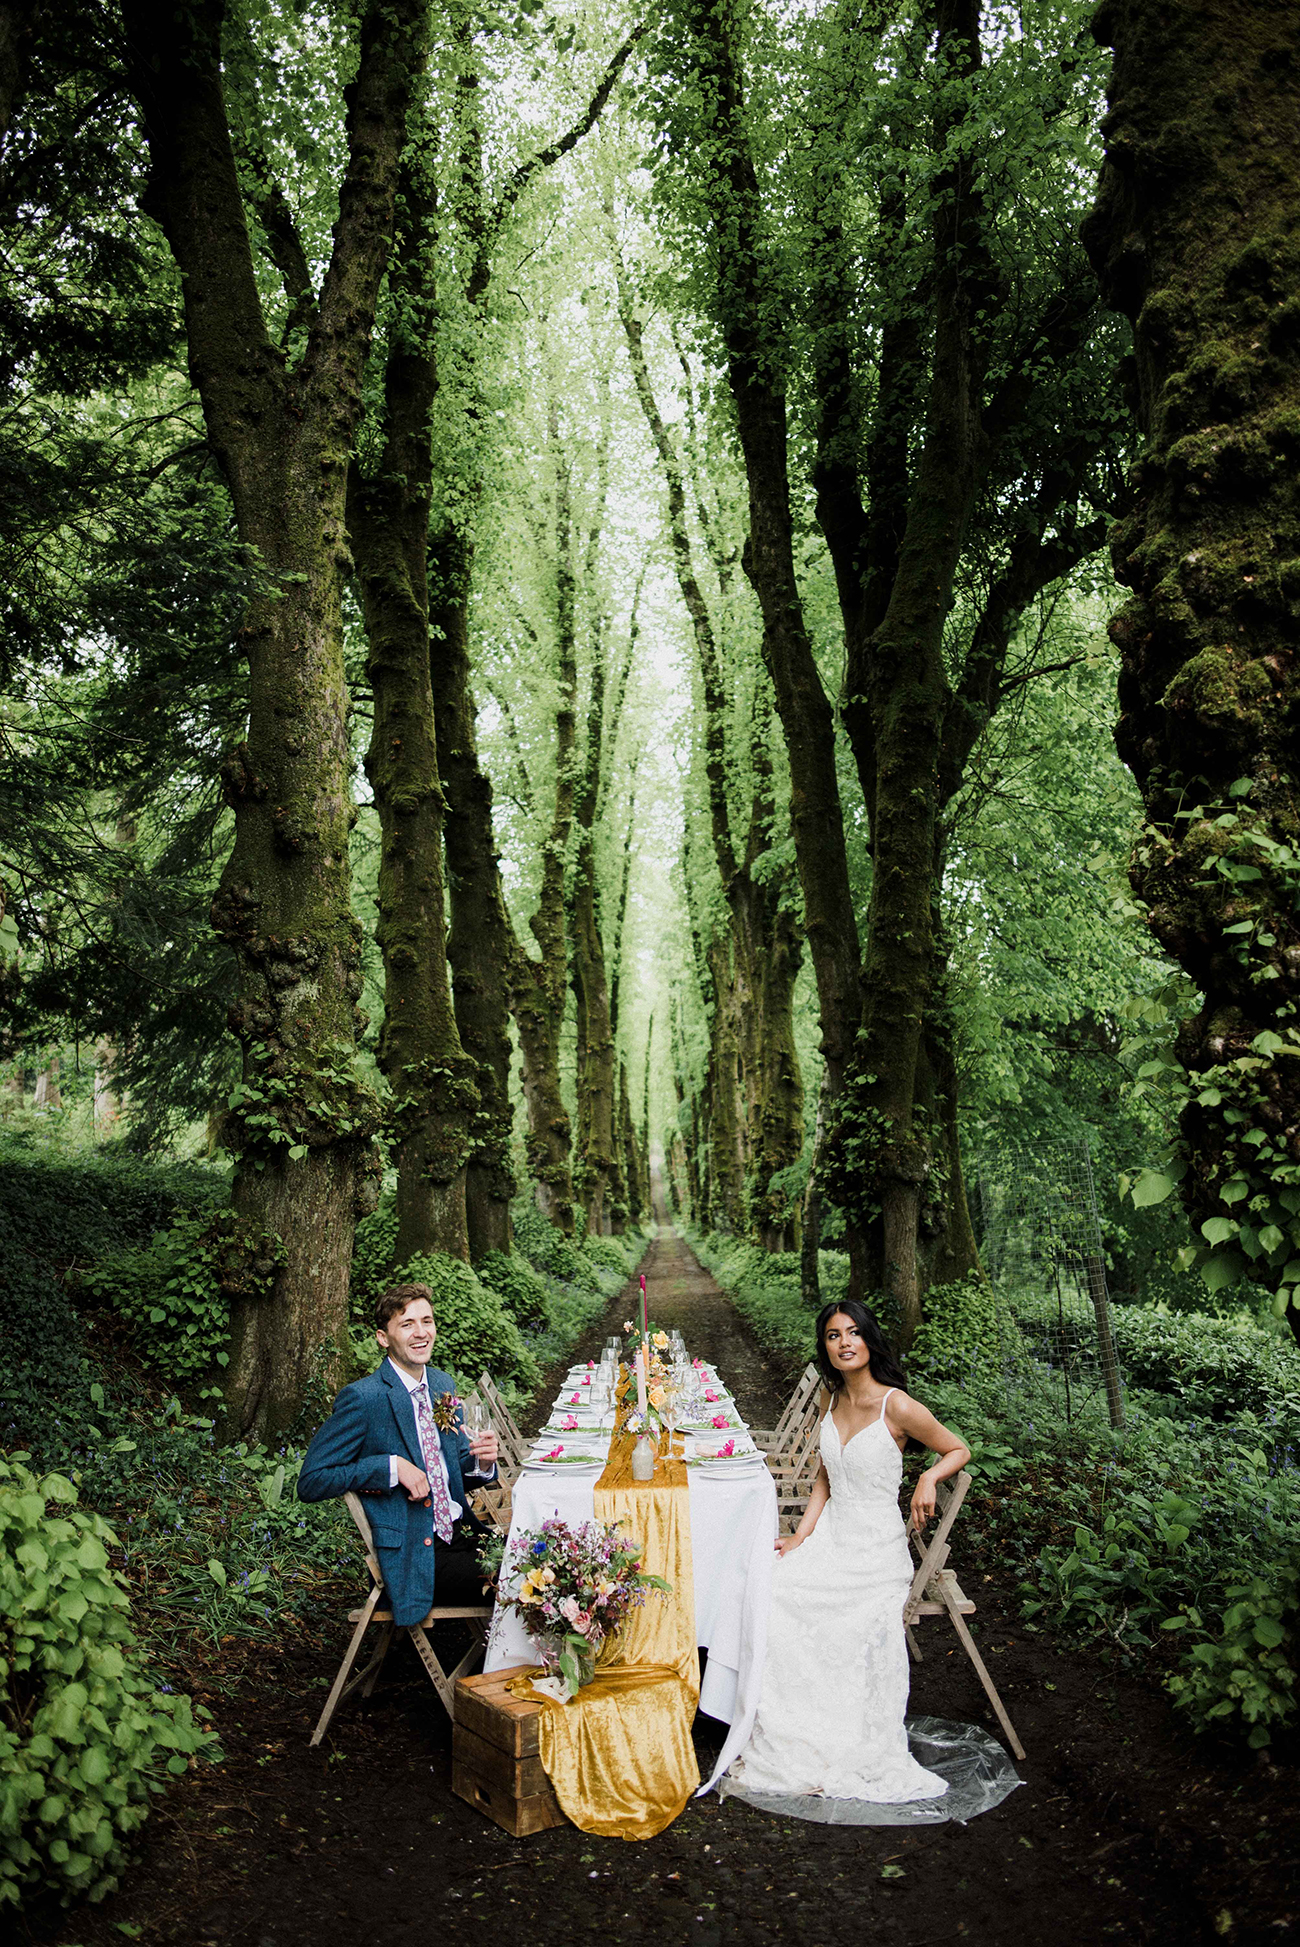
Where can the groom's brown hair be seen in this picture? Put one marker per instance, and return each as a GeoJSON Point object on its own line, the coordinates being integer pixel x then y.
{"type": "Point", "coordinates": [396, 1299]}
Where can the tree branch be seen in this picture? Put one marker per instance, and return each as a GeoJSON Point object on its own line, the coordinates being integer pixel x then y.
{"type": "Point", "coordinates": [495, 221]}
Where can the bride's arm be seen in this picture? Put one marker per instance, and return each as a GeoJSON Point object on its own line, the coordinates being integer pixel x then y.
{"type": "Point", "coordinates": [821, 1494]}
{"type": "Point", "coordinates": [919, 1421]}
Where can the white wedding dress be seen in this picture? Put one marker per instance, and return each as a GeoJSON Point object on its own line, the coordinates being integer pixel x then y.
{"type": "Point", "coordinates": [835, 1678]}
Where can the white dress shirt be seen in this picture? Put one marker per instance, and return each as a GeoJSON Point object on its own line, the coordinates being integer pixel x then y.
{"type": "Point", "coordinates": [414, 1386]}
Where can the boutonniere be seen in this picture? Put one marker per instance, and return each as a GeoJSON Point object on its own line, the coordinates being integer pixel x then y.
{"type": "Point", "coordinates": [446, 1409]}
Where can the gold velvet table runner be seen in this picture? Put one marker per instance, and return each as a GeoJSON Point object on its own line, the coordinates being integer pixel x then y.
{"type": "Point", "coordinates": [619, 1754]}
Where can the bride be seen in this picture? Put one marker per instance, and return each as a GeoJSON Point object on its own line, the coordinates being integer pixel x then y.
{"type": "Point", "coordinates": [835, 1680]}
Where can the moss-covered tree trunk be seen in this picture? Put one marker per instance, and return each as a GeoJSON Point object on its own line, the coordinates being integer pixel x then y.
{"type": "Point", "coordinates": [482, 947]}
{"type": "Point", "coordinates": [540, 985]}
{"type": "Point", "coordinates": [1196, 237]}
{"type": "Point", "coordinates": [432, 1081]}
{"type": "Point", "coordinates": [302, 1119]}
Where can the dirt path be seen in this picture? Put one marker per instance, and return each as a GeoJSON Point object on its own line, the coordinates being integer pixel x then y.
{"type": "Point", "coordinates": [1124, 1831]}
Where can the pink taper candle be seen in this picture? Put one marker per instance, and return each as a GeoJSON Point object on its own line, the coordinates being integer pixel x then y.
{"type": "Point", "coordinates": [645, 1324]}
{"type": "Point", "coordinates": [640, 1382]}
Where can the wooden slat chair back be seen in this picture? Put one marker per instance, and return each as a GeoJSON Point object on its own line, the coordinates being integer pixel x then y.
{"type": "Point", "coordinates": [774, 1440]}
{"type": "Point", "coordinates": [476, 1616]}
{"type": "Point", "coordinates": [513, 1445]}
{"type": "Point", "coordinates": [796, 1471]}
{"type": "Point", "coordinates": [935, 1591]}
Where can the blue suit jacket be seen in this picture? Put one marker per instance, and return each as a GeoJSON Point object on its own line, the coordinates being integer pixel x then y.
{"type": "Point", "coordinates": [372, 1419]}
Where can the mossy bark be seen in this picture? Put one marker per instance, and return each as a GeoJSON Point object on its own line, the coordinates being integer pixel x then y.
{"type": "Point", "coordinates": [540, 985]}
{"type": "Point", "coordinates": [482, 947]}
{"type": "Point", "coordinates": [302, 1122]}
{"type": "Point", "coordinates": [434, 1096]}
{"type": "Point", "coordinates": [1196, 239]}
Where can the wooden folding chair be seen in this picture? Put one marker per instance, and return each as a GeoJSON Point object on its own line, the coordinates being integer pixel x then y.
{"type": "Point", "coordinates": [773, 1440]}
{"type": "Point", "coordinates": [476, 1616]}
{"type": "Point", "coordinates": [935, 1591]}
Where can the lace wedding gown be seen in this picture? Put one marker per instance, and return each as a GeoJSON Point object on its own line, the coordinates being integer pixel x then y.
{"type": "Point", "coordinates": [835, 1679]}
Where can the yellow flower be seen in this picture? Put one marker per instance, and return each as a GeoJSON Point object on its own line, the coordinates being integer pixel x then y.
{"type": "Point", "coordinates": [547, 1574]}
{"type": "Point", "coordinates": [656, 1397]}
{"type": "Point", "coordinates": [660, 1339]}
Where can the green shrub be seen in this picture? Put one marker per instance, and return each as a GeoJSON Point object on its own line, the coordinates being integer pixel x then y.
{"type": "Point", "coordinates": [1243, 1673]}
{"type": "Point", "coordinates": [84, 1735]}
{"type": "Point", "coordinates": [548, 1248]}
{"type": "Point", "coordinates": [962, 1327]}
{"type": "Point", "coordinates": [373, 1245]}
{"type": "Point", "coordinates": [1216, 1368]}
{"type": "Point", "coordinates": [523, 1291]}
{"type": "Point", "coordinates": [168, 1292]}
{"type": "Point", "coordinates": [474, 1328]}
{"type": "Point", "coordinates": [60, 1209]}
{"type": "Point", "coordinates": [610, 1253]}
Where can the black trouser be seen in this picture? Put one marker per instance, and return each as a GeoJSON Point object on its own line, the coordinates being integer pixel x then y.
{"type": "Point", "coordinates": [457, 1576]}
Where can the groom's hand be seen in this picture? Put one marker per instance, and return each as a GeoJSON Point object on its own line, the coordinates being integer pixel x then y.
{"type": "Point", "coordinates": [483, 1446]}
{"type": "Point", "coordinates": [413, 1479]}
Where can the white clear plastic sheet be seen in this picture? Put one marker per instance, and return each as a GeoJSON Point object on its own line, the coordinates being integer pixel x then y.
{"type": "Point", "coordinates": [979, 1774]}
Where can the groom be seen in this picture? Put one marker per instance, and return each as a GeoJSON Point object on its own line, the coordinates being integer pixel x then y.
{"type": "Point", "coordinates": [383, 1440]}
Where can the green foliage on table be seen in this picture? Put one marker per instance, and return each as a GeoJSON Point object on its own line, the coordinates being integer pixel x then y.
{"type": "Point", "coordinates": [85, 1734]}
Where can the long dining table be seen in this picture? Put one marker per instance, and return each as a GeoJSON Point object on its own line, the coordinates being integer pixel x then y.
{"type": "Point", "coordinates": [733, 1528]}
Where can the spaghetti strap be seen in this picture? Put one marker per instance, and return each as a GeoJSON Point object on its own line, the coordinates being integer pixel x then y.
{"type": "Point", "coordinates": [885, 1401]}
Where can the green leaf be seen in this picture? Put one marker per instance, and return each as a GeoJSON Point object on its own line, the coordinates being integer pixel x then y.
{"type": "Point", "coordinates": [1152, 1186]}
{"type": "Point", "coordinates": [217, 1573]}
{"type": "Point", "coordinates": [297, 1152]}
{"type": "Point", "coordinates": [1268, 1632]}
{"type": "Point", "coordinates": [1217, 1230]}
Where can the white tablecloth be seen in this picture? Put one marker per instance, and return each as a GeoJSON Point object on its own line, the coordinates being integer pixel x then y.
{"type": "Point", "coordinates": [733, 1528]}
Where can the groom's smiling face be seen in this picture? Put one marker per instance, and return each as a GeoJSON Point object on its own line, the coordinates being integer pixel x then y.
{"type": "Point", "coordinates": [410, 1334]}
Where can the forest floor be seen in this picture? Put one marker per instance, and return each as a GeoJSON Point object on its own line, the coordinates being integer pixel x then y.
{"type": "Point", "coordinates": [1127, 1829]}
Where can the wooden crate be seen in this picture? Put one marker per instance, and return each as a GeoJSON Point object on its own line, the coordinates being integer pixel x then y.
{"type": "Point", "coordinates": [495, 1766]}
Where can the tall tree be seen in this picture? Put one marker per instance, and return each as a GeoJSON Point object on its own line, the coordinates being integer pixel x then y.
{"type": "Point", "coordinates": [1194, 234]}
{"type": "Point", "coordinates": [282, 432]}
{"type": "Point", "coordinates": [944, 479]}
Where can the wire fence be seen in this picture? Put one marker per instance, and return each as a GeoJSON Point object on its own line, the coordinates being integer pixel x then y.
{"type": "Point", "coordinates": [1040, 1243]}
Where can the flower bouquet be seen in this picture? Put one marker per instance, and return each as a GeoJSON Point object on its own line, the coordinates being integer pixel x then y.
{"type": "Point", "coordinates": [574, 1587]}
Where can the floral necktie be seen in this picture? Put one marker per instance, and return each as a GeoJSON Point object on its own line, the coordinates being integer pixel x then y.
{"type": "Point", "coordinates": [433, 1467]}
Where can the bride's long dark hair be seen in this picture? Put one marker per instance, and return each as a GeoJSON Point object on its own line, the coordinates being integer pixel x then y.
{"type": "Point", "coordinates": [885, 1369]}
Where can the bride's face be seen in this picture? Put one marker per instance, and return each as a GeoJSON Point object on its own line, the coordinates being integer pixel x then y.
{"type": "Point", "coordinates": [845, 1346]}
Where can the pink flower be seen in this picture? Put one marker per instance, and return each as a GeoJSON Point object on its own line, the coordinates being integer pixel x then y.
{"type": "Point", "coordinates": [569, 1609]}
{"type": "Point", "coordinates": [570, 1424]}
{"type": "Point", "coordinates": [720, 1419]}
{"type": "Point", "coordinates": [554, 1454]}
{"type": "Point", "coordinates": [711, 1397]}
{"type": "Point", "coordinates": [586, 1382]}
{"type": "Point", "coordinates": [575, 1399]}
{"type": "Point", "coordinates": [725, 1453]}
